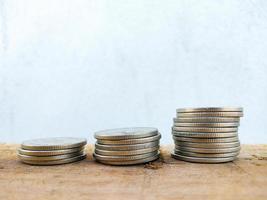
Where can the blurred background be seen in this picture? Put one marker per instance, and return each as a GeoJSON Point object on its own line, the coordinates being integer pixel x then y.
{"type": "Point", "coordinates": [69, 68]}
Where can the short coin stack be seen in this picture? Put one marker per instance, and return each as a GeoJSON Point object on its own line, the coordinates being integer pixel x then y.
{"type": "Point", "coordinates": [206, 135]}
{"type": "Point", "coordinates": [127, 146]}
{"type": "Point", "coordinates": [52, 151]}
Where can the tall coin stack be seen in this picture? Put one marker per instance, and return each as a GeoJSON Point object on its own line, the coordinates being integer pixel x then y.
{"type": "Point", "coordinates": [206, 135]}
{"type": "Point", "coordinates": [127, 146]}
{"type": "Point", "coordinates": [52, 151]}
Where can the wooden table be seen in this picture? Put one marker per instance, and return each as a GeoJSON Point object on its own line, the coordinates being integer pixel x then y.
{"type": "Point", "coordinates": [167, 178]}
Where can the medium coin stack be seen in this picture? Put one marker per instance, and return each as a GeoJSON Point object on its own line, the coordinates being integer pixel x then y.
{"type": "Point", "coordinates": [206, 135]}
{"type": "Point", "coordinates": [52, 151]}
{"type": "Point", "coordinates": [127, 146]}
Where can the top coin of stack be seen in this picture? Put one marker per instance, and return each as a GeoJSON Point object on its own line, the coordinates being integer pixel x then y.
{"type": "Point", "coordinates": [52, 151]}
{"type": "Point", "coordinates": [207, 135]}
{"type": "Point", "coordinates": [127, 146]}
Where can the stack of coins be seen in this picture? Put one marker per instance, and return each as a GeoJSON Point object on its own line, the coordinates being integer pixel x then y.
{"type": "Point", "coordinates": [206, 135]}
{"type": "Point", "coordinates": [127, 146]}
{"type": "Point", "coordinates": [52, 151]}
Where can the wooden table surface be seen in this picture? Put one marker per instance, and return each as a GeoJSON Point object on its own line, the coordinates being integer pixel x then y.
{"type": "Point", "coordinates": [167, 178]}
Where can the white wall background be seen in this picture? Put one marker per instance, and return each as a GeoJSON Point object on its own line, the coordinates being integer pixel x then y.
{"type": "Point", "coordinates": [69, 68]}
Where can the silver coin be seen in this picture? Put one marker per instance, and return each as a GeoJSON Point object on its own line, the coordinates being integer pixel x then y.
{"type": "Point", "coordinates": [210, 109]}
{"type": "Point", "coordinates": [126, 133]}
{"type": "Point", "coordinates": [205, 150]}
{"type": "Point", "coordinates": [124, 158]}
{"type": "Point", "coordinates": [206, 120]}
{"type": "Point", "coordinates": [206, 140]}
{"type": "Point", "coordinates": [132, 162]}
{"type": "Point", "coordinates": [53, 143]}
{"type": "Point", "coordinates": [56, 162]}
{"type": "Point", "coordinates": [205, 135]}
{"type": "Point", "coordinates": [130, 141]}
{"type": "Point", "coordinates": [126, 153]}
{"type": "Point", "coordinates": [207, 145]}
{"type": "Point", "coordinates": [49, 158]}
{"type": "Point", "coordinates": [204, 130]}
{"type": "Point", "coordinates": [210, 114]}
{"type": "Point", "coordinates": [207, 155]}
{"type": "Point", "coordinates": [126, 147]}
{"type": "Point", "coordinates": [49, 153]}
{"type": "Point", "coordinates": [208, 125]}
{"type": "Point", "coordinates": [202, 160]}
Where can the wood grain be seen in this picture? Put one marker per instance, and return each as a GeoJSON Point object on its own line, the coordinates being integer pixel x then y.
{"type": "Point", "coordinates": [167, 178]}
